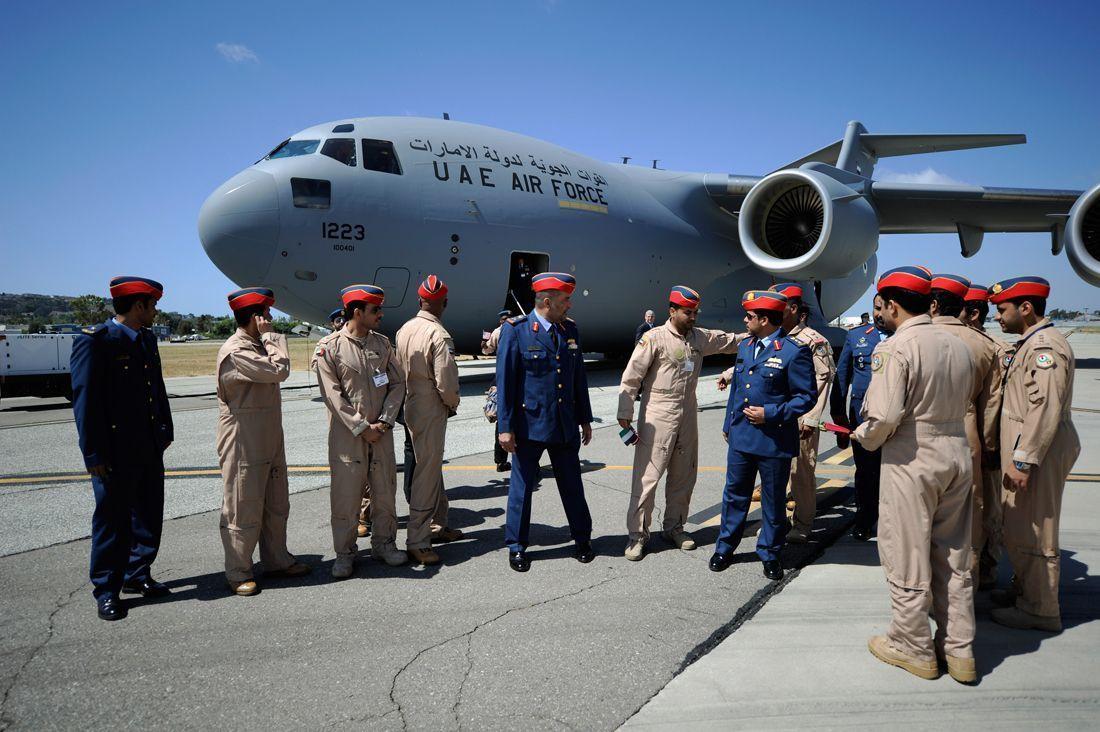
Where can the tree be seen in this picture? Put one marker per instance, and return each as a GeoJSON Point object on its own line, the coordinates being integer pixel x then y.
{"type": "Point", "coordinates": [90, 309]}
{"type": "Point", "coordinates": [36, 325]}
{"type": "Point", "coordinates": [223, 327]}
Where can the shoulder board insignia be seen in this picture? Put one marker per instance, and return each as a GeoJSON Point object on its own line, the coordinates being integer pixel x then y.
{"type": "Point", "coordinates": [1044, 360]}
{"type": "Point", "coordinates": [88, 331]}
{"type": "Point", "coordinates": [517, 319]}
{"type": "Point", "coordinates": [570, 320]}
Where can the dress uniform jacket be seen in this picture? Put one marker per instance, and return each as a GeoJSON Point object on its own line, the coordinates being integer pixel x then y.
{"type": "Point", "coordinates": [251, 452]}
{"type": "Point", "coordinates": [123, 421]}
{"type": "Point", "coordinates": [542, 399]}
{"type": "Point", "coordinates": [426, 353]}
{"type": "Point", "coordinates": [361, 382]}
{"type": "Point", "coordinates": [665, 367]}
{"type": "Point", "coordinates": [853, 374]}
{"type": "Point", "coordinates": [1037, 428]}
{"type": "Point", "coordinates": [914, 409]}
{"type": "Point", "coordinates": [780, 379]}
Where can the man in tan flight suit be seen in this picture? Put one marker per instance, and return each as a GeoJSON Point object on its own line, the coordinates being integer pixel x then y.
{"type": "Point", "coordinates": [665, 366]}
{"type": "Point", "coordinates": [426, 353]}
{"type": "Point", "coordinates": [984, 407]}
{"type": "Point", "coordinates": [803, 486]}
{"type": "Point", "coordinates": [1039, 445]}
{"type": "Point", "coordinates": [976, 310]}
{"type": "Point", "coordinates": [362, 384]}
{"type": "Point", "coordinates": [915, 407]}
{"type": "Point", "coordinates": [251, 365]}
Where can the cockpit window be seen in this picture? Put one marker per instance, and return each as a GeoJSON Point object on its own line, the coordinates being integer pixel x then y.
{"type": "Point", "coordinates": [379, 155]}
{"type": "Point", "coordinates": [340, 148]}
{"type": "Point", "coordinates": [292, 148]}
{"type": "Point", "coordinates": [311, 193]}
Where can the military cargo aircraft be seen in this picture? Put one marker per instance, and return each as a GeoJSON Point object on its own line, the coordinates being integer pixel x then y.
{"type": "Point", "coordinates": [389, 200]}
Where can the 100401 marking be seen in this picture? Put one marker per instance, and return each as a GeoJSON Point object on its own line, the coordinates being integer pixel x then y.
{"type": "Point", "coordinates": [334, 230]}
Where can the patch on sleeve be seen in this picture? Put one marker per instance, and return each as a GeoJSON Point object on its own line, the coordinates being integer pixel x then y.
{"type": "Point", "coordinates": [319, 351]}
{"type": "Point", "coordinates": [821, 349]}
{"type": "Point", "coordinates": [878, 361]}
{"type": "Point", "coordinates": [642, 342]}
{"type": "Point", "coordinates": [1008, 360]}
{"type": "Point", "coordinates": [1044, 361]}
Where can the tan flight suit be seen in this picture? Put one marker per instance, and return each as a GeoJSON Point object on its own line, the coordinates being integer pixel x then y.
{"type": "Point", "coordinates": [364, 509]}
{"type": "Point", "coordinates": [426, 353]}
{"type": "Point", "coordinates": [489, 348]}
{"type": "Point", "coordinates": [992, 490]}
{"type": "Point", "coordinates": [250, 451]}
{"type": "Point", "coordinates": [1036, 428]}
{"type": "Point", "coordinates": [347, 370]}
{"type": "Point", "coordinates": [803, 485]}
{"type": "Point", "coordinates": [665, 366]}
{"type": "Point", "coordinates": [921, 381]}
{"type": "Point", "coordinates": [982, 412]}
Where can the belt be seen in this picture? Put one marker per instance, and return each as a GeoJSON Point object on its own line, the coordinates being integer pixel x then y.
{"type": "Point", "coordinates": [932, 429]}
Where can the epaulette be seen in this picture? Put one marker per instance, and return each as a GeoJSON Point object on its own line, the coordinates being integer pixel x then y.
{"type": "Point", "coordinates": [94, 329]}
{"type": "Point", "coordinates": [517, 320]}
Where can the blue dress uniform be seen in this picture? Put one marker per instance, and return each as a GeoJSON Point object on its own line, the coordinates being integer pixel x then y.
{"type": "Point", "coordinates": [853, 370]}
{"type": "Point", "coordinates": [781, 379]}
{"type": "Point", "coordinates": [542, 399]}
{"type": "Point", "coordinates": [124, 422]}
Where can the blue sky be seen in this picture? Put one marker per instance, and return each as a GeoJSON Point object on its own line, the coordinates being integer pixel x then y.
{"type": "Point", "coordinates": [119, 118]}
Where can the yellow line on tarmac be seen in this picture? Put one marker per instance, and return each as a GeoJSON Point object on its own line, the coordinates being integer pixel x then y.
{"type": "Point", "coordinates": [839, 457]}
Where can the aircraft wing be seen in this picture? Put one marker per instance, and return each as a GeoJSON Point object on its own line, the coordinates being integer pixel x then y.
{"type": "Point", "coordinates": [912, 208]}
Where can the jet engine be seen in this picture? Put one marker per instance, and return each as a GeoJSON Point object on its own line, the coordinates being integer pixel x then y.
{"type": "Point", "coordinates": [804, 224]}
{"type": "Point", "coordinates": [1083, 236]}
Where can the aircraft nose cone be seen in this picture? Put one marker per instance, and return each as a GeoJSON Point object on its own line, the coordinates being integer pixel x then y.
{"type": "Point", "coordinates": [239, 226]}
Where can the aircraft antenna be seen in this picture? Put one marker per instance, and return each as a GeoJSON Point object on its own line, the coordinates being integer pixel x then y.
{"type": "Point", "coordinates": [655, 164]}
{"type": "Point", "coordinates": [446, 116]}
{"type": "Point", "coordinates": [626, 159]}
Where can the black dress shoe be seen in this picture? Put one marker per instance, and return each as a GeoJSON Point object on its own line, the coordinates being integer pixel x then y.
{"type": "Point", "coordinates": [720, 562]}
{"type": "Point", "coordinates": [504, 467]}
{"type": "Point", "coordinates": [773, 569]}
{"type": "Point", "coordinates": [111, 608]}
{"type": "Point", "coordinates": [583, 552]}
{"type": "Point", "coordinates": [148, 587]}
{"type": "Point", "coordinates": [861, 534]}
{"type": "Point", "coordinates": [519, 561]}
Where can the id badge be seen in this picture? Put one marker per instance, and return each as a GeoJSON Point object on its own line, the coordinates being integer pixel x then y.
{"type": "Point", "coordinates": [689, 366]}
{"type": "Point", "coordinates": [381, 379]}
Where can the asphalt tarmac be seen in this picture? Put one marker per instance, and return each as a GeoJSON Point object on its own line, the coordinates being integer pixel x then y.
{"type": "Point", "coordinates": [468, 644]}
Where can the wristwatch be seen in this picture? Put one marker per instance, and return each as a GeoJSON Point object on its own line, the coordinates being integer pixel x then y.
{"type": "Point", "coordinates": [1022, 467]}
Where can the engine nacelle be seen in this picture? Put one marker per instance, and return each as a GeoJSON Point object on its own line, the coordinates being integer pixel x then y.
{"type": "Point", "coordinates": [1082, 236]}
{"type": "Point", "coordinates": [803, 224]}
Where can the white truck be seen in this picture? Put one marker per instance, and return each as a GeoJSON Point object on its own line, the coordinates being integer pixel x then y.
{"type": "Point", "coordinates": [35, 364]}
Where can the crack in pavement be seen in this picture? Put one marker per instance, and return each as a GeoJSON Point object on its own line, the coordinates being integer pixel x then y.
{"type": "Point", "coordinates": [468, 635]}
{"type": "Point", "coordinates": [59, 603]}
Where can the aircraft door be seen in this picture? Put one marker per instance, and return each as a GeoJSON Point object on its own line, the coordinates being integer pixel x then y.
{"type": "Point", "coordinates": [521, 268]}
{"type": "Point", "coordinates": [394, 281]}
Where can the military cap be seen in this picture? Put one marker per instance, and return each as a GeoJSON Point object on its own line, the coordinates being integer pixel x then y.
{"type": "Point", "coordinates": [790, 289]}
{"type": "Point", "coordinates": [684, 297]}
{"type": "Point", "coordinates": [1019, 287]}
{"type": "Point", "coordinates": [764, 300]}
{"type": "Point", "coordinates": [337, 313]}
{"type": "Point", "coordinates": [916, 279]}
{"type": "Point", "coordinates": [504, 314]}
{"type": "Point", "coordinates": [954, 284]}
{"type": "Point", "coordinates": [125, 285]}
{"type": "Point", "coordinates": [554, 281]}
{"type": "Point", "coordinates": [432, 288]}
{"type": "Point", "coordinates": [362, 293]}
{"type": "Point", "coordinates": [249, 296]}
{"type": "Point", "coordinates": [977, 293]}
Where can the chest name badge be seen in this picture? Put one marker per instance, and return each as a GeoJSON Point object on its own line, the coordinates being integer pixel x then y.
{"type": "Point", "coordinates": [689, 366]}
{"type": "Point", "coordinates": [381, 379]}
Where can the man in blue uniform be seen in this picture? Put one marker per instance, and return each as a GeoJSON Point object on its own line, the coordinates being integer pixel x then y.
{"type": "Point", "coordinates": [542, 400]}
{"type": "Point", "coordinates": [853, 371]}
{"type": "Point", "coordinates": [772, 386]}
{"type": "Point", "coordinates": [124, 424]}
